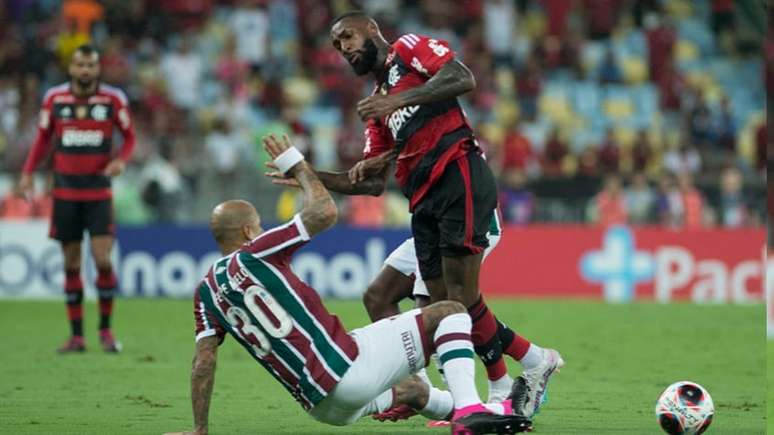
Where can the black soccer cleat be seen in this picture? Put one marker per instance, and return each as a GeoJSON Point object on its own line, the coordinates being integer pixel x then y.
{"type": "Point", "coordinates": [485, 423]}
{"type": "Point", "coordinates": [518, 395]}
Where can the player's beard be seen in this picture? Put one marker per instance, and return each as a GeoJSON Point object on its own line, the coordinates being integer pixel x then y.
{"type": "Point", "coordinates": [365, 63]}
{"type": "Point", "coordinates": [85, 83]}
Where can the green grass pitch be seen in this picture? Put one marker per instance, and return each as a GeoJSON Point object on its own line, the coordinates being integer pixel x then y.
{"type": "Point", "coordinates": [619, 358]}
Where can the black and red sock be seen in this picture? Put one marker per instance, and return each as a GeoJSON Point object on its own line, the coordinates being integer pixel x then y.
{"type": "Point", "coordinates": [106, 289]}
{"type": "Point", "coordinates": [486, 340]}
{"type": "Point", "coordinates": [74, 300]}
{"type": "Point", "coordinates": [514, 345]}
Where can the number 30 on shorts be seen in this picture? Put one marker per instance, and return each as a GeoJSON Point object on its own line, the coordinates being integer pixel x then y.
{"type": "Point", "coordinates": [250, 332]}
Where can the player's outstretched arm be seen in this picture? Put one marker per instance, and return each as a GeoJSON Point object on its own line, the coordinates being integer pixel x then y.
{"type": "Point", "coordinates": [319, 212]}
{"type": "Point", "coordinates": [202, 381]}
{"type": "Point", "coordinates": [367, 177]}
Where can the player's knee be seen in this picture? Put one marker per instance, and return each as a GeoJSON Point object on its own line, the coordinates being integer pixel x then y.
{"type": "Point", "coordinates": [374, 298]}
{"type": "Point", "coordinates": [448, 308]}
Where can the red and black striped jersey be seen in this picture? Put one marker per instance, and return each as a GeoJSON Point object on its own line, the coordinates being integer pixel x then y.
{"type": "Point", "coordinates": [427, 136]}
{"type": "Point", "coordinates": [80, 130]}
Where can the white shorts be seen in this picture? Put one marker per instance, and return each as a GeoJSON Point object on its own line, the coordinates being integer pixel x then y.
{"type": "Point", "coordinates": [388, 351]}
{"type": "Point", "coordinates": [404, 260]}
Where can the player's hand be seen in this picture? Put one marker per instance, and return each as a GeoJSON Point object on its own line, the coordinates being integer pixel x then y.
{"type": "Point", "coordinates": [368, 167]}
{"type": "Point", "coordinates": [115, 167]}
{"type": "Point", "coordinates": [377, 106]}
{"type": "Point", "coordinates": [25, 188]}
{"type": "Point", "coordinates": [278, 178]}
{"type": "Point", "coordinates": [275, 147]}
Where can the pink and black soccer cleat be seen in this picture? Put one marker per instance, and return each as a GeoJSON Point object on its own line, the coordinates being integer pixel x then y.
{"type": "Point", "coordinates": [109, 343]}
{"type": "Point", "coordinates": [486, 423]}
{"type": "Point", "coordinates": [73, 344]}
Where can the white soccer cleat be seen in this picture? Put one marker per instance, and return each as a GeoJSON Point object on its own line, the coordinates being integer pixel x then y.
{"type": "Point", "coordinates": [536, 381]}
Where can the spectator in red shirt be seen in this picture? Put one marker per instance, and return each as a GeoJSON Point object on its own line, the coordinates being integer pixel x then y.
{"type": "Point", "coordinates": [641, 152]}
{"type": "Point", "coordinates": [693, 203]}
{"type": "Point", "coordinates": [553, 155]}
{"type": "Point", "coordinates": [609, 154]}
{"type": "Point", "coordinates": [517, 150]}
{"type": "Point", "coordinates": [610, 204]}
{"type": "Point", "coordinates": [661, 41]}
{"type": "Point", "coordinates": [670, 86]}
{"type": "Point", "coordinates": [528, 87]}
{"type": "Point", "coordinates": [601, 17]}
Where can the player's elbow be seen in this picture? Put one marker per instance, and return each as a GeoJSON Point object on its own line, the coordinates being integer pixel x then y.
{"type": "Point", "coordinates": [328, 214]}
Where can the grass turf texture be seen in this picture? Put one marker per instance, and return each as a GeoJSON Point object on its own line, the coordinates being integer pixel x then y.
{"type": "Point", "coordinates": [619, 358]}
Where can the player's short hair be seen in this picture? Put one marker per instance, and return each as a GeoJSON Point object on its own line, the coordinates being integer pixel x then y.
{"type": "Point", "coordinates": [352, 14]}
{"type": "Point", "coordinates": [87, 49]}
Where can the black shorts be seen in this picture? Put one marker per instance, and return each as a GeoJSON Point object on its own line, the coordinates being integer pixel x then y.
{"type": "Point", "coordinates": [453, 218]}
{"type": "Point", "coordinates": [71, 218]}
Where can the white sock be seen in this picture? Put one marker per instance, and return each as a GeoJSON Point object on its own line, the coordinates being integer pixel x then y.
{"type": "Point", "coordinates": [533, 357]}
{"type": "Point", "coordinates": [455, 351]}
{"type": "Point", "coordinates": [500, 388]}
{"type": "Point", "coordinates": [495, 408]}
{"type": "Point", "coordinates": [439, 405]}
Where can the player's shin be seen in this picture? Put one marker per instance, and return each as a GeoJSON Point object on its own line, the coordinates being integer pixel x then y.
{"type": "Point", "coordinates": [106, 288]}
{"type": "Point", "coordinates": [74, 300]}
{"type": "Point", "coordinates": [518, 347]}
{"type": "Point", "coordinates": [487, 341]}
{"type": "Point", "coordinates": [455, 351]}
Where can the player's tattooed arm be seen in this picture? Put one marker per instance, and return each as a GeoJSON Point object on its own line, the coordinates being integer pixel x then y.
{"type": "Point", "coordinates": [202, 381]}
{"type": "Point", "coordinates": [319, 212]}
{"type": "Point", "coordinates": [452, 80]}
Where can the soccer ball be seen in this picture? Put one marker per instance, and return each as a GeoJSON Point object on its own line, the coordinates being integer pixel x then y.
{"type": "Point", "coordinates": [685, 408]}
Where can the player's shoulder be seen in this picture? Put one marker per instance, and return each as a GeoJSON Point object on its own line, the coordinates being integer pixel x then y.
{"type": "Point", "coordinates": [408, 41]}
{"type": "Point", "coordinates": [54, 91]}
{"type": "Point", "coordinates": [114, 92]}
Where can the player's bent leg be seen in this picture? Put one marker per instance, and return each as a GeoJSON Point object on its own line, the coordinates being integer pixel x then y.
{"type": "Point", "coordinates": [385, 291]}
{"type": "Point", "coordinates": [101, 246]}
{"type": "Point", "coordinates": [73, 289]}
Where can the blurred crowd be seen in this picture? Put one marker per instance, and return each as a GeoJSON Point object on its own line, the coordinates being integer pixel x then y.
{"type": "Point", "coordinates": [607, 111]}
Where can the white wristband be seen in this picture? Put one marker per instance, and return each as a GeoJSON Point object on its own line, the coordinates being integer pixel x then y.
{"type": "Point", "coordinates": [288, 159]}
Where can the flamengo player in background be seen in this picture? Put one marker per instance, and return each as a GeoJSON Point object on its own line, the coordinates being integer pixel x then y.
{"type": "Point", "coordinates": [79, 116]}
{"type": "Point", "coordinates": [452, 193]}
{"type": "Point", "coordinates": [336, 376]}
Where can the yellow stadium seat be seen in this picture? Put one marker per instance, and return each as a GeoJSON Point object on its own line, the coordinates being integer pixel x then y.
{"type": "Point", "coordinates": [618, 109]}
{"type": "Point", "coordinates": [634, 70]}
{"type": "Point", "coordinates": [555, 108]}
{"type": "Point", "coordinates": [686, 50]}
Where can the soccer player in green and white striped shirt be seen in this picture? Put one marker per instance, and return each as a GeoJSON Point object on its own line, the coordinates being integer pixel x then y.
{"type": "Point", "coordinates": [337, 377]}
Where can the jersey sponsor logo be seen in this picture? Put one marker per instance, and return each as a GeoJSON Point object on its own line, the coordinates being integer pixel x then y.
{"type": "Point", "coordinates": [82, 138]}
{"type": "Point", "coordinates": [66, 112]}
{"type": "Point", "coordinates": [99, 112]}
{"type": "Point", "coordinates": [417, 65]}
{"type": "Point", "coordinates": [399, 118]}
{"type": "Point", "coordinates": [394, 75]}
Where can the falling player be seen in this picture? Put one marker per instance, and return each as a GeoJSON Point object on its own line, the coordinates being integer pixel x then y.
{"type": "Point", "coordinates": [252, 294]}
{"type": "Point", "coordinates": [80, 117]}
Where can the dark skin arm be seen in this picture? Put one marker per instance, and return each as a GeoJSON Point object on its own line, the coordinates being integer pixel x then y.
{"type": "Point", "coordinates": [367, 177]}
{"type": "Point", "coordinates": [452, 80]}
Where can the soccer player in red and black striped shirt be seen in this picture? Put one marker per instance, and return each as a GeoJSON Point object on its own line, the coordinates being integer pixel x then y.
{"type": "Point", "coordinates": [413, 117]}
{"type": "Point", "coordinates": [77, 120]}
